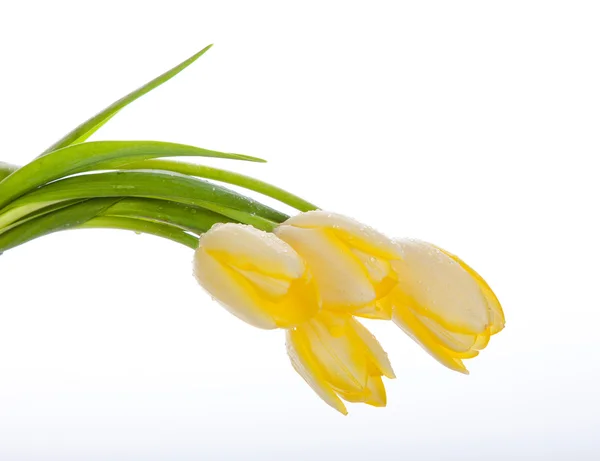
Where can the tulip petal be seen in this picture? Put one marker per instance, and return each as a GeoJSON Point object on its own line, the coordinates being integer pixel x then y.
{"type": "Point", "coordinates": [269, 286]}
{"type": "Point", "coordinates": [456, 342]}
{"type": "Point", "coordinates": [374, 350]}
{"type": "Point", "coordinates": [497, 317]}
{"type": "Point", "coordinates": [405, 319]}
{"type": "Point", "coordinates": [231, 290]}
{"type": "Point", "coordinates": [256, 276]}
{"type": "Point", "coordinates": [482, 340]}
{"type": "Point", "coordinates": [380, 272]}
{"type": "Point", "coordinates": [374, 393]}
{"type": "Point", "coordinates": [306, 366]}
{"type": "Point", "coordinates": [442, 289]}
{"type": "Point", "coordinates": [343, 282]}
{"type": "Point", "coordinates": [376, 310]}
{"type": "Point", "coordinates": [340, 353]}
{"type": "Point", "coordinates": [356, 234]}
{"type": "Point", "coordinates": [244, 247]}
{"type": "Point", "coordinates": [377, 395]}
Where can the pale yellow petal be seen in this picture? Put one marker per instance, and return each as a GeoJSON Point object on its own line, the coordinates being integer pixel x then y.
{"type": "Point", "coordinates": [441, 288]}
{"type": "Point", "coordinates": [376, 310]}
{"type": "Point", "coordinates": [231, 290]}
{"type": "Point", "coordinates": [356, 234]}
{"type": "Point", "coordinates": [417, 331]}
{"type": "Point", "coordinates": [299, 304]}
{"type": "Point", "coordinates": [270, 286]}
{"type": "Point", "coordinates": [380, 272]}
{"type": "Point", "coordinates": [376, 354]}
{"type": "Point", "coordinates": [248, 248]}
{"type": "Point", "coordinates": [342, 281]}
{"type": "Point", "coordinates": [340, 354]}
{"type": "Point", "coordinates": [482, 340]}
{"type": "Point", "coordinates": [309, 369]}
{"type": "Point", "coordinates": [377, 396]}
{"type": "Point", "coordinates": [374, 393]}
{"type": "Point", "coordinates": [497, 317]}
{"type": "Point", "coordinates": [465, 355]}
{"type": "Point", "coordinates": [456, 342]}
{"type": "Point", "coordinates": [256, 276]}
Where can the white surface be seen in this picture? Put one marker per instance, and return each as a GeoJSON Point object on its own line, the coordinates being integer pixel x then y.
{"type": "Point", "coordinates": [470, 124]}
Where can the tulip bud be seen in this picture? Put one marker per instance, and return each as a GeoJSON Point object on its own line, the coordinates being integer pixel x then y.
{"type": "Point", "coordinates": [443, 304]}
{"type": "Point", "coordinates": [256, 276]}
{"type": "Point", "coordinates": [338, 357]}
{"type": "Point", "coordinates": [351, 262]}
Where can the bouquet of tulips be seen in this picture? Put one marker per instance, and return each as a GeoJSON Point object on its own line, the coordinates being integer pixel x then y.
{"type": "Point", "coordinates": [312, 274]}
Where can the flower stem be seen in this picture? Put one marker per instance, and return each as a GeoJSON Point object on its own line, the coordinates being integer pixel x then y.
{"type": "Point", "coordinates": [91, 213]}
{"type": "Point", "coordinates": [7, 169]}
{"type": "Point", "coordinates": [61, 219]}
{"type": "Point", "coordinates": [80, 158]}
{"type": "Point", "coordinates": [221, 175]}
{"type": "Point", "coordinates": [147, 227]}
{"type": "Point", "coordinates": [187, 217]}
{"type": "Point", "coordinates": [148, 184]}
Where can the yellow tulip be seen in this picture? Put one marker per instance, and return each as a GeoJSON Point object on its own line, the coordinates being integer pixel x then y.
{"type": "Point", "coordinates": [443, 304]}
{"type": "Point", "coordinates": [256, 276]}
{"type": "Point", "coordinates": [352, 264]}
{"type": "Point", "coordinates": [318, 270]}
{"type": "Point", "coordinates": [431, 294]}
{"type": "Point", "coordinates": [338, 357]}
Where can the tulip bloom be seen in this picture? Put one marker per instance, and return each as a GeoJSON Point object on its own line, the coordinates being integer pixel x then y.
{"type": "Point", "coordinates": [256, 276]}
{"type": "Point", "coordinates": [338, 357]}
{"type": "Point", "coordinates": [318, 270]}
{"type": "Point", "coordinates": [352, 263]}
{"type": "Point", "coordinates": [263, 281]}
{"type": "Point", "coordinates": [431, 294]}
{"type": "Point", "coordinates": [443, 304]}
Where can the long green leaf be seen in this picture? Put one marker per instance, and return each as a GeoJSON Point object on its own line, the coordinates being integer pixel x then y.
{"type": "Point", "coordinates": [149, 184]}
{"type": "Point", "coordinates": [142, 226]}
{"type": "Point", "coordinates": [188, 217]}
{"type": "Point", "coordinates": [39, 212]}
{"type": "Point", "coordinates": [6, 169]}
{"type": "Point", "coordinates": [217, 174]}
{"type": "Point", "coordinates": [88, 127]}
{"type": "Point", "coordinates": [83, 157]}
{"type": "Point", "coordinates": [62, 219]}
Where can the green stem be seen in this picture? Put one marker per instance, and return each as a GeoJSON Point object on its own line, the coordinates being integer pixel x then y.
{"type": "Point", "coordinates": [88, 214]}
{"type": "Point", "coordinates": [221, 175]}
{"type": "Point", "coordinates": [187, 217]}
{"type": "Point", "coordinates": [80, 158]}
{"type": "Point", "coordinates": [40, 212]}
{"type": "Point", "coordinates": [6, 169]}
{"type": "Point", "coordinates": [147, 184]}
{"type": "Point", "coordinates": [62, 219]}
{"type": "Point", "coordinates": [139, 225]}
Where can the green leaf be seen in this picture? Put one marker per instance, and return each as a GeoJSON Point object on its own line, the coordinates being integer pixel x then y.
{"type": "Point", "coordinates": [85, 136]}
{"type": "Point", "coordinates": [6, 169]}
{"type": "Point", "coordinates": [141, 226]}
{"type": "Point", "coordinates": [62, 219]}
{"type": "Point", "coordinates": [217, 174]}
{"type": "Point", "coordinates": [187, 217]}
{"type": "Point", "coordinates": [87, 128]}
{"type": "Point", "coordinates": [149, 184]}
{"type": "Point", "coordinates": [85, 214]}
{"type": "Point", "coordinates": [83, 157]}
{"type": "Point", "coordinates": [40, 212]}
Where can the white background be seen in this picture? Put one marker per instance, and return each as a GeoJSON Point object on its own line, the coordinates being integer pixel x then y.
{"type": "Point", "coordinates": [471, 124]}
